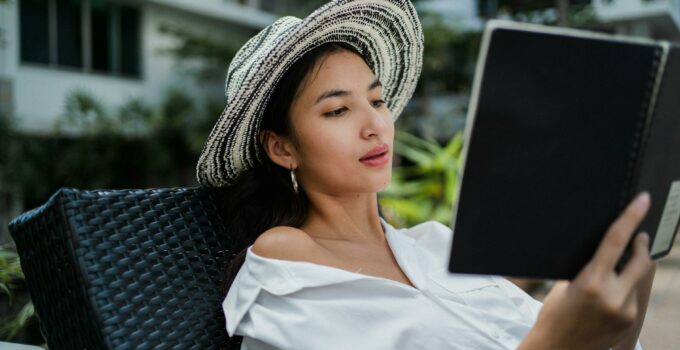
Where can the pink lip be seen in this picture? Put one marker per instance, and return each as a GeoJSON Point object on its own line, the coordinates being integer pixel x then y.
{"type": "Point", "coordinates": [377, 156]}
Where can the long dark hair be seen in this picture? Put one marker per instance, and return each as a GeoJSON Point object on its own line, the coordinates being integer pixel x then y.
{"type": "Point", "coordinates": [263, 197]}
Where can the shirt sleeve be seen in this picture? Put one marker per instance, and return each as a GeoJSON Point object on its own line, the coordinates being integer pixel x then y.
{"type": "Point", "coordinates": [242, 294]}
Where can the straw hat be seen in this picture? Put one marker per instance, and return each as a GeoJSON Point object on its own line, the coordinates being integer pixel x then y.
{"type": "Point", "coordinates": [386, 32]}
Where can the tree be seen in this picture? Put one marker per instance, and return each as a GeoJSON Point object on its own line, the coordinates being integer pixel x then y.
{"type": "Point", "coordinates": [568, 12]}
{"type": "Point", "coordinates": [213, 54]}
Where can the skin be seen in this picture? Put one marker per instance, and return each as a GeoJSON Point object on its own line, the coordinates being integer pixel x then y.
{"type": "Point", "coordinates": [338, 116]}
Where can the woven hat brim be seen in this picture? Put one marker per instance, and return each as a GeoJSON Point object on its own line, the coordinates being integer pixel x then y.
{"type": "Point", "coordinates": [386, 33]}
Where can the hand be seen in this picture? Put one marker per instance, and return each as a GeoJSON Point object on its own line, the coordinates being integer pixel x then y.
{"type": "Point", "coordinates": [600, 308]}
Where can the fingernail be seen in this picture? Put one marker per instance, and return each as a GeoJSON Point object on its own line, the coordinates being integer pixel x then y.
{"type": "Point", "coordinates": [642, 200]}
{"type": "Point", "coordinates": [644, 237]}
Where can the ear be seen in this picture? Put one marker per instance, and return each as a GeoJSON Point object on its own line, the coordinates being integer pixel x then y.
{"type": "Point", "coordinates": [279, 149]}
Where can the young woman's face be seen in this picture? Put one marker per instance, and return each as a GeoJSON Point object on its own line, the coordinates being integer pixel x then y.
{"type": "Point", "coordinates": [343, 129]}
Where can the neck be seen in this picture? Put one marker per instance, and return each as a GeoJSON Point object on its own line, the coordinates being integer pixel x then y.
{"type": "Point", "coordinates": [353, 217]}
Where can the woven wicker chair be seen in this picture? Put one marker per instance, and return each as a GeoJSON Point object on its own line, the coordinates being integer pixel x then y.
{"type": "Point", "coordinates": [127, 269]}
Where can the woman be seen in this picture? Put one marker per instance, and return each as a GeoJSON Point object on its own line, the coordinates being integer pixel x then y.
{"type": "Point", "coordinates": [302, 148]}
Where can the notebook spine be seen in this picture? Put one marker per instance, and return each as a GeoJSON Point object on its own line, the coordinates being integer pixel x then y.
{"type": "Point", "coordinates": [645, 122]}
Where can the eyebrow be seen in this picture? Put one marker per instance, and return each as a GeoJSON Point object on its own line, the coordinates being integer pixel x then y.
{"type": "Point", "coordinates": [338, 93]}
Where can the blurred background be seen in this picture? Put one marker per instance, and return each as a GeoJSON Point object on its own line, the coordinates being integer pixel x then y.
{"type": "Point", "coordinates": [122, 94]}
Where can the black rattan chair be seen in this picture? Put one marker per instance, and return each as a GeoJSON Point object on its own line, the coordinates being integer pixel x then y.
{"type": "Point", "coordinates": [127, 269]}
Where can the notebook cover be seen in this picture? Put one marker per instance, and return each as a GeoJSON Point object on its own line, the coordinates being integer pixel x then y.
{"type": "Point", "coordinates": [555, 129]}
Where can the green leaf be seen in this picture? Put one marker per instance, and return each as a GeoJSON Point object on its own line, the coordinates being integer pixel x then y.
{"type": "Point", "coordinates": [6, 290]}
{"type": "Point", "coordinates": [26, 313]}
{"type": "Point", "coordinates": [425, 190]}
{"type": "Point", "coordinates": [11, 327]}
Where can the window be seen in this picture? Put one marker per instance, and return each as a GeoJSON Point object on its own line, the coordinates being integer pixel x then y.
{"type": "Point", "coordinates": [69, 33]}
{"type": "Point", "coordinates": [129, 45]}
{"type": "Point", "coordinates": [100, 22]}
{"type": "Point", "coordinates": [90, 35]}
{"type": "Point", "coordinates": [34, 32]}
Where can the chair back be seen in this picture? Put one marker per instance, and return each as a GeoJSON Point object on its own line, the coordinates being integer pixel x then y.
{"type": "Point", "coordinates": [127, 269]}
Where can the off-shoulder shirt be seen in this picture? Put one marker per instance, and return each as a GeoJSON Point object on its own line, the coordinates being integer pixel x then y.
{"type": "Point", "coordinates": [280, 304]}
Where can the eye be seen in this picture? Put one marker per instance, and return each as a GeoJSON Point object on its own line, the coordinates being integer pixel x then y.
{"type": "Point", "coordinates": [336, 112]}
{"type": "Point", "coordinates": [378, 103]}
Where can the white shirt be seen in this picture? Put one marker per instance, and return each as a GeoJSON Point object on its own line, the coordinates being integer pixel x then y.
{"type": "Point", "coordinates": [280, 304]}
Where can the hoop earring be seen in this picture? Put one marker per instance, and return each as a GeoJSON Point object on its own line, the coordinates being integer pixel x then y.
{"type": "Point", "coordinates": [293, 179]}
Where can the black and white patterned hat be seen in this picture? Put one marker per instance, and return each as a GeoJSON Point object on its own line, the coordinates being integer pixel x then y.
{"type": "Point", "coordinates": [386, 32]}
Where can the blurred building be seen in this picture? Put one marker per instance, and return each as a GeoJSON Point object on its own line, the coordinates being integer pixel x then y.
{"type": "Point", "coordinates": [110, 49]}
{"type": "Point", "coordinates": [658, 19]}
{"type": "Point", "coordinates": [463, 14]}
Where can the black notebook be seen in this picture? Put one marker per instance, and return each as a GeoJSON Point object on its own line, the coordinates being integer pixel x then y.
{"type": "Point", "coordinates": [565, 127]}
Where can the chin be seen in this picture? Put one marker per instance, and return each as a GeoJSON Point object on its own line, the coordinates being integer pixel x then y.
{"type": "Point", "coordinates": [382, 184]}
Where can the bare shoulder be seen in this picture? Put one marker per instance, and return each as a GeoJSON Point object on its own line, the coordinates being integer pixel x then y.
{"type": "Point", "coordinates": [286, 243]}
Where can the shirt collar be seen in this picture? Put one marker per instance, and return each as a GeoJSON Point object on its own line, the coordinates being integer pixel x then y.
{"type": "Point", "coordinates": [403, 248]}
{"type": "Point", "coordinates": [283, 276]}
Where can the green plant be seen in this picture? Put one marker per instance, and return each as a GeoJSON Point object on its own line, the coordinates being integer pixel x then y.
{"type": "Point", "coordinates": [11, 278]}
{"type": "Point", "coordinates": [423, 189]}
{"type": "Point", "coordinates": [85, 114]}
{"type": "Point", "coordinates": [134, 118]}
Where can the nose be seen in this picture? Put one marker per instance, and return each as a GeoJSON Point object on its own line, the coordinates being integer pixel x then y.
{"type": "Point", "coordinates": [374, 122]}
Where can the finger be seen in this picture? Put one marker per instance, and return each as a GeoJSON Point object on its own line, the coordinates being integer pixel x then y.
{"type": "Point", "coordinates": [639, 265]}
{"type": "Point", "coordinates": [617, 236]}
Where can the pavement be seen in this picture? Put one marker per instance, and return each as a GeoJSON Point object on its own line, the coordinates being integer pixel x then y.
{"type": "Point", "coordinates": [662, 323]}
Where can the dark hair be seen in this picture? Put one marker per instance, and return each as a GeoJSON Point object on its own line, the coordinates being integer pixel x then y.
{"type": "Point", "coordinates": [263, 197]}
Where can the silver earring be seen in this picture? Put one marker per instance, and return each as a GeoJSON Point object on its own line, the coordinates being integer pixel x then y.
{"type": "Point", "coordinates": [293, 179]}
